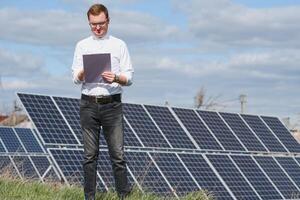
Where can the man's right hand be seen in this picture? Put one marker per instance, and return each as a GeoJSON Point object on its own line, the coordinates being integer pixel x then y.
{"type": "Point", "coordinates": [80, 75]}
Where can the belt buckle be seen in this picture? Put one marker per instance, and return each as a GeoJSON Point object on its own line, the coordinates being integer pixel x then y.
{"type": "Point", "coordinates": [103, 99]}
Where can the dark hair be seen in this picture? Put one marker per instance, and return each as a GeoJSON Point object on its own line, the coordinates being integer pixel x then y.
{"type": "Point", "coordinates": [96, 9]}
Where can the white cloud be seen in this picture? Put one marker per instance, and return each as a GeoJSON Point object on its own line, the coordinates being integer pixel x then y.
{"type": "Point", "coordinates": [64, 29]}
{"type": "Point", "coordinates": [14, 64]}
{"type": "Point", "coordinates": [18, 85]}
{"type": "Point", "coordinates": [222, 22]}
{"type": "Point", "coordinates": [53, 27]}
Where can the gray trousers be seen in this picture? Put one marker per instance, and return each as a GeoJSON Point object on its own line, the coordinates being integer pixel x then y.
{"type": "Point", "coordinates": [110, 117]}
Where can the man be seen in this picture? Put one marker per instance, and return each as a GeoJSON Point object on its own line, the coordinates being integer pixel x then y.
{"type": "Point", "coordinates": [100, 104]}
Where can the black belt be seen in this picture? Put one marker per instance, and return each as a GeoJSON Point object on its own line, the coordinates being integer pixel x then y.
{"type": "Point", "coordinates": [102, 99]}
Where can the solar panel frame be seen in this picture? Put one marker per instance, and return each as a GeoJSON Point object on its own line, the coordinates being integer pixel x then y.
{"type": "Point", "coordinates": [11, 141]}
{"type": "Point", "coordinates": [133, 140]}
{"type": "Point", "coordinates": [2, 147]}
{"type": "Point", "coordinates": [65, 169]}
{"type": "Point", "coordinates": [232, 177]}
{"type": "Point", "coordinates": [44, 166]}
{"type": "Point", "coordinates": [169, 126]}
{"type": "Point", "coordinates": [147, 174]}
{"type": "Point", "coordinates": [187, 182]}
{"type": "Point", "coordinates": [257, 177]}
{"type": "Point", "coordinates": [246, 136]}
{"type": "Point", "coordinates": [263, 132]}
{"type": "Point", "coordinates": [221, 130]}
{"type": "Point", "coordinates": [205, 176]}
{"type": "Point", "coordinates": [282, 133]}
{"type": "Point", "coordinates": [6, 163]}
{"type": "Point", "coordinates": [198, 130]}
{"type": "Point", "coordinates": [66, 106]}
{"type": "Point", "coordinates": [278, 176]}
{"type": "Point", "coordinates": [291, 167]}
{"type": "Point", "coordinates": [25, 167]}
{"type": "Point", "coordinates": [137, 120]}
{"type": "Point", "coordinates": [58, 129]}
{"type": "Point", "coordinates": [30, 142]}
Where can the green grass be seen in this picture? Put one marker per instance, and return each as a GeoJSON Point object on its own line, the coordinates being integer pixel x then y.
{"type": "Point", "coordinates": [16, 189]}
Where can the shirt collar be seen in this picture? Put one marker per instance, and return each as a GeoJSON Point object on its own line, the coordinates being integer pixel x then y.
{"type": "Point", "coordinates": [105, 37]}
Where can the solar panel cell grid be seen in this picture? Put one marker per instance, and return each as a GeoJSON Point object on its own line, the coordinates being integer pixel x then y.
{"type": "Point", "coordinates": [10, 140]}
{"type": "Point", "coordinates": [205, 176]}
{"type": "Point", "coordinates": [282, 133]}
{"type": "Point", "coordinates": [256, 177]}
{"type": "Point", "coordinates": [70, 164]}
{"type": "Point", "coordinates": [25, 167]}
{"type": "Point", "coordinates": [28, 139]}
{"type": "Point", "coordinates": [221, 131]}
{"type": "Point", "coordinates": [279, 178]}
{"type": "Point", "coordinates": [175, 173]}
{"type": "Point", "coordinates": [147, 175]}
{"type": "Point", "coordinates": [170, 127]}
{"type": "Point", "coordinates": [291, 167]}
{"type": "Point", "coordinates": [41, 162]}
{"type": "Point", "coordinates": [69, 161]}
{"type": "Point", "coordinates": [47, 119]}
{"type": "Point", "coordinates": [70, 109]}
{"type": "Point", "coordinates": [129, 138]}
{"type": "Point", "coordinates": [7, 167]}
{"type": "Point", "coordinates": [232, 177]}
{"type": "Point", "coordinates": [105, 169]}
{"type": "Point", "coordinates": [241, 130]}
{"type": "Point", "coordinates": [143, 126]}
{"type": "Point", "coordinates": [265, 135]}
{"type": "Point", "coordinates": [2, 149]}
{"type": "Point", "coordinates": [197, 129]}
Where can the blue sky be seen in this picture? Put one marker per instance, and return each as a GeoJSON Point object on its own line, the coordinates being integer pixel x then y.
{"type": "Point", "coordinates": [229, 47]}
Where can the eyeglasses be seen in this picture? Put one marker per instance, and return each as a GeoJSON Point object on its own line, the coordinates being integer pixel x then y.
{"type": "Point", "coordinates": [101, 24]}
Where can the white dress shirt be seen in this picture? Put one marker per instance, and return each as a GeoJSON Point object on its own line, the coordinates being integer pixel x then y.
{"type": "Point", "coordinates": [120, 63]}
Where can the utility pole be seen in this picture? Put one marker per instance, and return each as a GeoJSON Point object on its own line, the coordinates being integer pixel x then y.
{"type": "Point", "coordinates": [243, 100]}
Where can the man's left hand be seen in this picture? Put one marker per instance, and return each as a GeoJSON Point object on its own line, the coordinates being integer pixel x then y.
{"type": "Point", "coordinates": [108, 76]}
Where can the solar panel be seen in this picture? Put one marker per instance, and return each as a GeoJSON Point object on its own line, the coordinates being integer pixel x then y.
{"type": "Point", "coordinates": [7, 167]}
{"type": "Point", "coordinates": [2, 149]}
{"type": "Point", "coordinates": [264, 134]}
{"type": "Point", "coordinates": [282, 134]}
{"type": "Point", "coordinates": [147, 174]}
{"type": "Point", "coordinates": [221, 131]}
{"type": "Point", "coordinates": [105, 169]}
{"type": "Point", "coordinates": [170, 127]}
{"type": "Point", "coordinates": [256, 177]}
{"type": "Point", "coordinates": [70, 109]}
{"type": "Point", "coordinates": [169, 173]}
{"type": "Point", "coordinates": [10, 140]}
{"type": "Point", "coordinates": [241, 130]}
{"type": "Point", "coordinates": [29, 140]}
{"type": "Point", "coordinates": [47, 119]}
{"type": "Point", "coordinates": [25, 167]}
{"type": "Point", "coordinates": [291, 167]}
{"type": "Point", "coordinates": [205, 176]}
{"type": "Point", "coordinates": [44, 168]}
{"type": "Point", "coordinates": [143, 126]}
{"type": "Point", "coordinates": [69, 163]}
{"type": "Point", "coordinates": [232, 177]}
{"type": "Point", "coordinates": [197, 129]}
{"type": "Point", "coordinates": [175, 173]}
{"type": "Point", "coordinates": [278, 177]}
{"type": "Point", "coordinates": [130, 140]}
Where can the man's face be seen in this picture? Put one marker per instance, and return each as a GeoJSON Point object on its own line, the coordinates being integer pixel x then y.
{"type": "Point", "coordinates": [98, 24]}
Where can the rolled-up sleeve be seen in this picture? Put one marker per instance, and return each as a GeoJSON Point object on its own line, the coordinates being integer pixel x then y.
{"type": "Point", "coordinates": [77, 64]}
{"type": "Point", "coordinates": [126, 68]}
